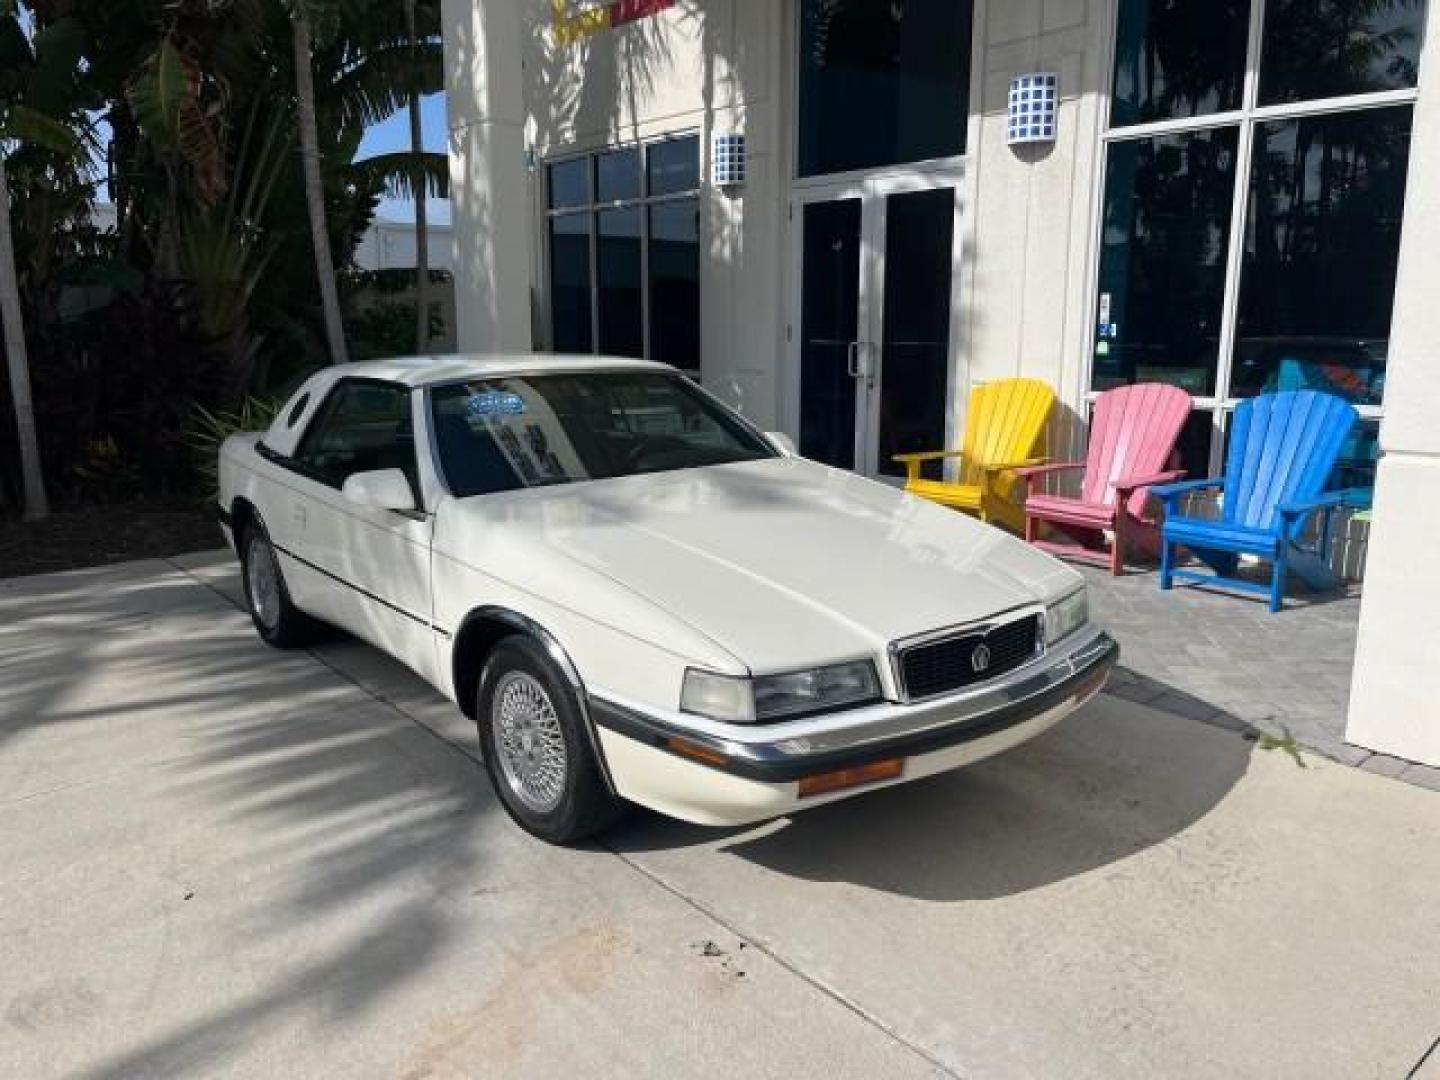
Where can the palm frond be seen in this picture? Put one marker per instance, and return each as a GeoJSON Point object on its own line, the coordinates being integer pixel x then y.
{"type": "Point", "coordinates": [29, 125]}
{"type": "Point", "coordinates": [380, 85]}
{"type": "Point", "coordinates": [395, 174]}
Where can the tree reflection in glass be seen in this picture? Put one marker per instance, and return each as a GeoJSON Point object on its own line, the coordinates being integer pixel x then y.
{"type": "Point", "coordinates": [1178, 59]}
{"type": "Point", "coordinates": [1165, 237]}
{"type": "Point", "coordinates": [1326, 48]}
{"type": "Point", "coordinates": [1322, 240]}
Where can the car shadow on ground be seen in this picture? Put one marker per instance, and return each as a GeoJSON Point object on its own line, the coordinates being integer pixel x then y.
{"type": "Point", "coordinates": [1111, 781]}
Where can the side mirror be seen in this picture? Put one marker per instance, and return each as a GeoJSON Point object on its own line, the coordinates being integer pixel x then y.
{"type": "Point", "coordinates": [783, 443]}
{"type": "Point", "coordinates": [383, 489]}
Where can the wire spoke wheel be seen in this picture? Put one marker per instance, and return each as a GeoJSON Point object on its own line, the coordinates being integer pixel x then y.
{"type": "Point", "coordinates": [262, 576]}
{"type": "Point", "coordinates": [529, 741]}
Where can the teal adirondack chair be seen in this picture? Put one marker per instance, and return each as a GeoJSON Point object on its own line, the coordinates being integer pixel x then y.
{"type": "Point", "coordinates": [1283, 448]}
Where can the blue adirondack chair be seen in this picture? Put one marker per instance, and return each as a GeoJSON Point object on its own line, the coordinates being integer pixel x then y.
{"type": "Point", "coordinates": [1283, 448]}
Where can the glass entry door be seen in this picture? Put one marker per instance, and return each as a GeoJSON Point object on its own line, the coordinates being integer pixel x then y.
{"type": "Point", "coordinates": [873, 338]}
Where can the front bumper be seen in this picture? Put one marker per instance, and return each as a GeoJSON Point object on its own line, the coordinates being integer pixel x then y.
{"type": "Point", "coordinates": [955, 729]}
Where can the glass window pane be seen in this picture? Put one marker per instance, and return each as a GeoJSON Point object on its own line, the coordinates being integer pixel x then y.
{"type": "Point", "coordinates": [1192, 449]}
{"type": "Point", "coordinates": [1164, 241]}
{"type": "Point", "coordinates": [1321, 241]}
{"type": "Point", "coordinates": [829, 322]}
{"type": "Point", "coordinates": [617, 268]}
{"type": "Point", "coordinates": [1325, 48]}
{"type": "Point", "coordinates": [1358, 458]}
{"type": "Point", "coordinates": [1178, 59]}
{"type": "Point", "coordinates": [675, 284]}
{"type": "Point", "coordinates": [363, 426]}
{"type": "Point", "coordinates": [569, 183]}
{"type": "Point", "coordinates": [617, 175]}
{"type": "Point", "coordinates": [919, 234]}
{"type": "Point", "coordinates": [570, 283]}
{"type": "Point", "coordinates": [674, 165]}
{"type": "Point", "coordinates": [882, 82]}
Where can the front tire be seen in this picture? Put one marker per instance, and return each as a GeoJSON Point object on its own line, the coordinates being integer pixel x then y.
{"type": "Point", "coordinates": [536, 748]}
{"type": "Point", "coordinates": [278, 622]}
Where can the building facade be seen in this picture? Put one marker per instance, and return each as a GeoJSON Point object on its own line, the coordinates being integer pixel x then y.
{"type": "Point", "coordinates": [842, 214]}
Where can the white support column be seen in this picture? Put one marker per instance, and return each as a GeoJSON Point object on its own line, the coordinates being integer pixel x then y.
{"type": "Point", "coordinates": [489, 184]}
{"type": "Point", "coordinates": [1395, 698]}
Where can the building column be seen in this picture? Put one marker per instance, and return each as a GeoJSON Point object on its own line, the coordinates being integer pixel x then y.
{"type": "Point", "coordinates": [489, 184]}
{"type": "Point", "coordinates": [1395, 699]}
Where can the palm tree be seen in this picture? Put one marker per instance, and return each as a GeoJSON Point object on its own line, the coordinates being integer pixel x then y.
{"type": "Point", "coordinates": [18, 363]}
{"type": "Point", "coordinates": [303, 13]}
{"type": "Point", "coordinates": [422, 238]}
{"type": "Point", "coordinates": [20, 122]}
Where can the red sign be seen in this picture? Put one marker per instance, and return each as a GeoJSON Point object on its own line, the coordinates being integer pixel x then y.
{"type": "Point", "coordinates": [590, 21]}
{"type": "Point", "coordinates": [624, 11]}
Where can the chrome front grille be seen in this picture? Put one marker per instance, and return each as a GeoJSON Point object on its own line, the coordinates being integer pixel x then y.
{"type": "Point", "coordinates": [953, 662]}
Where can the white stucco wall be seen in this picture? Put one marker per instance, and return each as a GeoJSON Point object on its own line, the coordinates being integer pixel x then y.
{"type": "Point", "coordinates": [1394, 702]}
{"type": "Point", "coordinates": [493, 249]}
{"type": "Point", "coordinates": [1028, 310]}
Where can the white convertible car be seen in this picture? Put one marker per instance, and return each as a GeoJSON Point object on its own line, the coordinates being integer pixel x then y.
{"type": "Point", "coordinates": [639, 596]}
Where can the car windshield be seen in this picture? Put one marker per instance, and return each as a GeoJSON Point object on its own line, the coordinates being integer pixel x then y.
{"type": "Point", "coordinates": [529, 431]}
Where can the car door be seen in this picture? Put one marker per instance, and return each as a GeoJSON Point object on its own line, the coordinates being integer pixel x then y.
{"type": "Point", "coordinates": [363, 568]}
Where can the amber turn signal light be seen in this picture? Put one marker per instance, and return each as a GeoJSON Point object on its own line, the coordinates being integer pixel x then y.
{"type": "Point", "coordinates": [840, 779]}
{"type": "Point", "coordinates": [700, 753]}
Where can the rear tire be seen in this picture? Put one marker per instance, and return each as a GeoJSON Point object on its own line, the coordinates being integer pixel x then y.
{"type": "Point", "coordinates": [278, 621]}
{"type": "Point", "coordinates": [536, 746]}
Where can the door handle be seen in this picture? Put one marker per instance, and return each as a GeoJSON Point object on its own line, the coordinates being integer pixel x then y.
{"type": "Point", "coordinates": [852, 360]}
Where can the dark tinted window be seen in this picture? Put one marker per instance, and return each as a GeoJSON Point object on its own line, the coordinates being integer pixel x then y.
{"type": "Point", "coordinates": [569, 183]}
{"type": "Point", "coordinates": [1175, 59]}
{"type": "Point", "coordinates": [1322, 237]}
{"type": "Point", "coordinates": [674, 165]}
{"type": "Point", "coordinates": [618, 272]}
{"type": "Point", "coordinates": [298, 411]}
{"type": "Point", "coordinates": [1165, 237]}
{"type": "Point", "coordinates": [919, 235]}
{"type": "Point", "coordinates": [570, 282]}
{"type": "Point", "coordinates": [882, 82]}
{"type": "Point", "coordinates": [1325, 48]}
{"type": "Point", "coordinates": [675, 283]}
{"type": "Point", "coordinates": [362, 426]}
{"type": "Point", "coordinates": [502, 434]}
{"type": "Point", "coordinates": [829, 326]}
{"type": "Point", "coordinates": [617, 175]}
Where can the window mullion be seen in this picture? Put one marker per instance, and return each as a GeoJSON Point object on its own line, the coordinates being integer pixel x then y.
{"type": "Point", "coordinates": [1250, 95]}
{"type": "Point", "coordinates": [1239, 208]}
{"type": "Point", "coordinates": [645, 280]}
{"type": "Point", "coordinates": [593, 220]}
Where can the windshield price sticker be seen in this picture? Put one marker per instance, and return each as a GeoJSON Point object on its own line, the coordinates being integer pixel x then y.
{"type": "Point", "coordinates": [493, 404]}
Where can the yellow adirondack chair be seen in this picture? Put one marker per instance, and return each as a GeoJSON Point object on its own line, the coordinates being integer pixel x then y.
{"type": "Point", "coordinates": [1004, 430]}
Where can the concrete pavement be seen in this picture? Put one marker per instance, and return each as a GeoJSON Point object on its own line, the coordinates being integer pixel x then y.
{"type": "Point", "coordinates": [223, 860]}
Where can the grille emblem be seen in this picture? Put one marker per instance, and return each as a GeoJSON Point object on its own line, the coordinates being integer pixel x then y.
{"type": "Point", "coordinates": [980, 658]}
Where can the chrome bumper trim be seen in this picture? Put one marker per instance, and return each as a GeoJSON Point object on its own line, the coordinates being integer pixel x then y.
{"type": "Point", "coordinates": [773, 754]}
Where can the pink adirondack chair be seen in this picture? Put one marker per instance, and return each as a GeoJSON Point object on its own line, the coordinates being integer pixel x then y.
{"type": "Point", "coordinates": [1132, 437]}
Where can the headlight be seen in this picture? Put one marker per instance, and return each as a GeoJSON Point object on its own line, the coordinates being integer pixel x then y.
{"type": "Point", "coordinates": [810, 691]}
{"type": "Point", "coordinates": [1064, 617]}
{"type": "Point", "coordinates": [720, 697]}
{"type": "Point", "coordinates": [774, 697]}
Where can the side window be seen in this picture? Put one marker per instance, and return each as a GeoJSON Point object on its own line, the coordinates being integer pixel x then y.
{"type": "Point", "coordinates": [298, 411]}
{"type": "Point", "coordinates": [362, 426]}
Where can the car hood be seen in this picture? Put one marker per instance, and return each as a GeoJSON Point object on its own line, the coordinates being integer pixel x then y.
{"type": "Point", "coordinates": [783, 563]}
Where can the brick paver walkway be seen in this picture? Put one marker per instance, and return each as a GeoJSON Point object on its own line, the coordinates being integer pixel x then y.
{"type": "Point", "coordinates": [1225, 659]}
